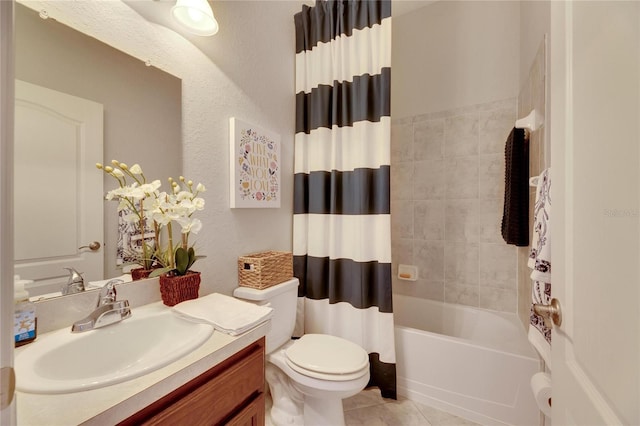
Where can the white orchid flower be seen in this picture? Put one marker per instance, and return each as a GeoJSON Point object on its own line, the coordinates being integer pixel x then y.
{"type": "Point", "coordinates": [136, 169]}
{"type": "Point", "coordinates": [190, 225]}
{"type": "Point", "coordinates": [134, 191]}
{"type": "Point", "coordinates": [117, 173]}
{"type": "Point", "coordinates": [164, 218]}
{"type": "Point", "coordinates": [200, 188]}
{"type": "Point", "coordinates": [150, 188]}
{"type": "Point", "coordinates": [131, 218]}
{"type": "Point", "coordinates": [183, 195]}
{"type": "Point", "coordinates": [110, 195]}
{"type": "Point", "coordinates": [198, 203]}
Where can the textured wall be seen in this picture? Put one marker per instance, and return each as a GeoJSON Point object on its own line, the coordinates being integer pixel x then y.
{"type": "Point", "coordinates": [452, 54]}
{"type": "Point", "coordinates": [535, 22]}
{"type": "Point", "coordinates": [253, 81]}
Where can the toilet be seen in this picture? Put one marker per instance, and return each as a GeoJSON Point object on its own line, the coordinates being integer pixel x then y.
{"type": "Point", "coordinates": [308, 377]}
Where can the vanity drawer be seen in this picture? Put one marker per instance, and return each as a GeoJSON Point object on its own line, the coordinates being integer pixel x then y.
{"type": "Point", "coordinates": [230, 393]}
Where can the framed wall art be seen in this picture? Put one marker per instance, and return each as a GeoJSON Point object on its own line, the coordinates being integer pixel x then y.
{"type": "Point", "coordinates": [254, 166]}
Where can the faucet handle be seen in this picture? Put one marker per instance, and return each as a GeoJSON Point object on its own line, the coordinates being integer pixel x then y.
{"type": "Point", "coordinates": [74, 276]}
{"type": "Point", "coordinates": [75, 283]}
{"type": "Point", "coordinates": [108, 292]}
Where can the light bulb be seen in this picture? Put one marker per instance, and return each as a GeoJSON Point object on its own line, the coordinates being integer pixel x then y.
{"type": "Point", "coordinates": [195, 16]}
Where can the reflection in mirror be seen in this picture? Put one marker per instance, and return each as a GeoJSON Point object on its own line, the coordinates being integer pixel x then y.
{"type": "Point", "coordinates": [55, 162]}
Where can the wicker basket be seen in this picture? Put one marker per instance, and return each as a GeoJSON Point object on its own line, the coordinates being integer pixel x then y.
{"type": "Point", "coordinates": [265, 269]}
{"type": "Point", "coordinates": [178, 288]}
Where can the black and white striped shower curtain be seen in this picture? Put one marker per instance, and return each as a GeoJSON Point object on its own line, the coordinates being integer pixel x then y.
{"type": "Point", "coordinates": [342, 237]}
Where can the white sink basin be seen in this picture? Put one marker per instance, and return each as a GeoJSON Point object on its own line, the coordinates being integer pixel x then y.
{"type": "Point", "coordinates": [64, 362]}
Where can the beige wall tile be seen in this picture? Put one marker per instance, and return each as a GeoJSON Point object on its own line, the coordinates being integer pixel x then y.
{"type": "Point", "coordinates": [494, 127]}
{"type": "Point", "coordinates": [428, 140]}
{"type": "Point", "coordinates": [461, 294]}
{"type": "Point", "coordinates": [429, 182]}
{"type": "Point", "coordinates": [402, 219]}
{"type": "Point", "coordinates": [524, 285]}
{"type": "Point", "coordinates": [491, 169]}
{"type": "Point", "coordinates": [401, 253]}
{"type": "Point", "coordinates": [422, 288]}
{"type": "Point", "coordinates": [401, 143]}
{"type": "Point", "coordinates": [428, 219]}
{"type": "Point", "coordinates": [461, 135]}
{"type": "Point", "coordinates": [429, 258]}
{"type": "Point", "coordinates": [461, 177]}
{"type": "Point", "coordinates": [534, 153]}
{"type": "Point", "coordinates": [456, 179]}
{"type": "Point", "coordinates": [461, 220]}
{"type": "Point", "coordinates": [490, 220]}
{"type": "Point", "coordinates": [461, 263]}
{"type": "Point", "coordinates": [402, 181]}
{"type": "Point", "coordinates": [498, 299]}
{"type": "Point", "coordinates": [497, 267]}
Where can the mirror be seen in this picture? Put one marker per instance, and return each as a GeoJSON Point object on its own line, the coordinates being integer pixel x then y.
{"type": "Point", "coordinates": [141, 124]}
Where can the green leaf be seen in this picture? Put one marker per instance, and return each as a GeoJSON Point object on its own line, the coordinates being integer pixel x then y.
{"type": "Point", "coordinates": [160, 271]}
{"type": "Point", "coordinates": [182, 261]}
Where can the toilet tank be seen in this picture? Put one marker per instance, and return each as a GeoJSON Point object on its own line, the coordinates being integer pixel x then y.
{"type": "Point", "coordinates": [283, 298]}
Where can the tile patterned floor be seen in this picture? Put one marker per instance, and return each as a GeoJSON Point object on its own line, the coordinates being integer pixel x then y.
{"type": "Point", "coordinates": [370, 409]}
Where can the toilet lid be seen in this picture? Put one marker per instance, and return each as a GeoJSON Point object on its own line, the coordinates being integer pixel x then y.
{"type": "Point", "coordinates": [326, 354]}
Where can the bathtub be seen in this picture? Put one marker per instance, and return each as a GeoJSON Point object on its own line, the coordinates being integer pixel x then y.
{"type": "Point", "coordinates": [474, 363]}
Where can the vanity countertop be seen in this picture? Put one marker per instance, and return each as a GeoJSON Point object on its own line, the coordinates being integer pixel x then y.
{"type": "Point", "coordinates": [112, 404]}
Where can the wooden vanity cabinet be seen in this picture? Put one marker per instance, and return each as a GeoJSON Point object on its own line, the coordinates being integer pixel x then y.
{"type": "Point", "coordinates": [231, 393]}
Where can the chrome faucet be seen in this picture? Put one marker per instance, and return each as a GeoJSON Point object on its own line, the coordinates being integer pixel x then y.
{"type": "Point", "coordinates": [75, 284]}
{"type": "Point", "coordinates": [108, 310]}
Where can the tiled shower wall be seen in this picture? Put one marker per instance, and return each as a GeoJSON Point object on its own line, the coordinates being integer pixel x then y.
{"type": "Point", "coordinates": [447, 189]}
{"type": "Point", "coordinates": [532, 95]}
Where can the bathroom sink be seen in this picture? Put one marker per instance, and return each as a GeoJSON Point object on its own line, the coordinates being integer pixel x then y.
{"type": "Point", "coordinates": [65, 362]}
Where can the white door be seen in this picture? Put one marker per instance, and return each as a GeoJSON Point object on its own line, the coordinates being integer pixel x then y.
{"type": "Point", "coordinates": [595, 119]}
{"type": "Point", "coordinates": [58, 192]}
{"type": "Point", "coordinates": [7, 382]}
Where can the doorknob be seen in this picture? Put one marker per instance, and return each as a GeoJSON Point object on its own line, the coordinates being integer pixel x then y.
{"type": "Point", "coordinates": [551, 314]}
{"type": "Point", "coordinates": [94, 246]}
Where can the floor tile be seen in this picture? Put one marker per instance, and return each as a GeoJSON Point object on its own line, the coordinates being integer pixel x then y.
{"type": "Point", "coordinates": [370, 409]}
{"type": "Point", "coordinates": [441, 418]}
{"type": "Point", "coordinates": [402, 412]}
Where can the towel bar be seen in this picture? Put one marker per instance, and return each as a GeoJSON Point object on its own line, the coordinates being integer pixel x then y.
{"type": "Point", "coordinates": [531, 122]}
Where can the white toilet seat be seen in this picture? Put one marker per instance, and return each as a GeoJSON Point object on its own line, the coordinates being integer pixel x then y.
{"type": "Point", "coordinates": [327, 357]}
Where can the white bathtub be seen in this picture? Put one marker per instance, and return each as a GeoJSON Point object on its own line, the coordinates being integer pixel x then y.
{"type": "Point", "coordinates": [473, 363]}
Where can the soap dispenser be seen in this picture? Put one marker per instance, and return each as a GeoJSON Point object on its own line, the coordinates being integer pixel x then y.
{"type": "Point", "coordinates": [24, 323]}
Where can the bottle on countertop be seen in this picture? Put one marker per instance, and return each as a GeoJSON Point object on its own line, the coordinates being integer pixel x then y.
{"type": "Point", "coordinates": [25, 323]}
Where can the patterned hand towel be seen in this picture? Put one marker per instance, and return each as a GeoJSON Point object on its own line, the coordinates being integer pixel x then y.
{"type": "Point", "coordinates": [540, 263]}
{"type": "Point", "coordinates": [540, 254]}
{"type": "Point", "coordinates": [515, 216]}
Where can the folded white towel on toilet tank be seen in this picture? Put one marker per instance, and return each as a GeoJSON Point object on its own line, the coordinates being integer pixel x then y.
{"type": "Point", "coordinates": [227, 314]}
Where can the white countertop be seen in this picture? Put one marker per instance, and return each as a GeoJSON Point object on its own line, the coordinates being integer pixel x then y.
{"type": "Point", "coordinates": [112, 404]}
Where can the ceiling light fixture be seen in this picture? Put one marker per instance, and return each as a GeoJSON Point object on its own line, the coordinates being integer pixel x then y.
{"type": "Point", "coordinates": [195, 16]}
